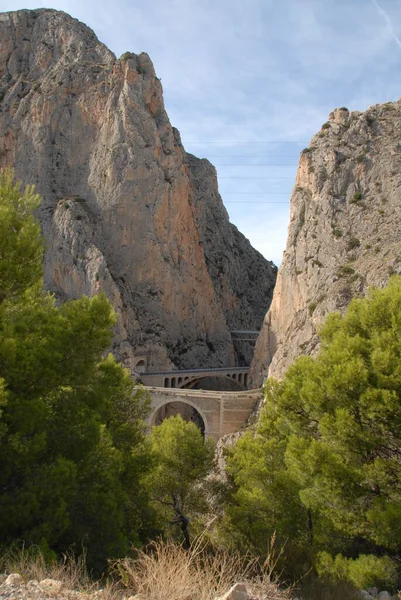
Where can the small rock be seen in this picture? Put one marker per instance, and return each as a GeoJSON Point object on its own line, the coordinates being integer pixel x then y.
{"type": "Point", "coordinates": [52, 585]}
{"type": "Point", "coordinates": [372, 591]}
{"type": "Point", "coordinates": [13, 579]}
{"type": "Point", "coordinates": [384, 596]}
{"type": "Point", "coordinates": [237, 592]}
{"type": "Point", "coordinates": [366, 596]}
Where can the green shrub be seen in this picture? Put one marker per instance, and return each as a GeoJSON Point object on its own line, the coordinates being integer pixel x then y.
{"type": "Point", "coordinates": [365, 571]}
{"type": "Point", "coordinates": [327, 589]}
{"type": "Point", "coordinates": [356, 197]}
{"type": "Point", "coordinates": [337, 232]}
{"type": "Point", "coordinates": [326, 125]}
{"type": "Point", "coordinates": [127, 55]}
{"type": "Point", "coordinates": [312, 307]}
{"type": "Point", "coordinates": [352, 243]}
{"type": "Point", "coordinates": [345, 270]}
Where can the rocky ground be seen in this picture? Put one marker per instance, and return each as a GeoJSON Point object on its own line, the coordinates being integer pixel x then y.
{"type": "Point", "coordinates": [13, 587]}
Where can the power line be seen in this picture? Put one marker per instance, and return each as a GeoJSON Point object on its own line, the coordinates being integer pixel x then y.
{"type": "Point", "coordinates": [252, 202]}
{"type": "Point", "coordinates": [249, 156]}
{"type": "Point", "coordinates": [255, 193]}
{"type": "Point", "coordinates": [201, 166]}
{"type": "Point", "coordinates": [269, 178]}
{"type": "Point", "coordinates": [262, 165]}
{"type": "Point", "coordinates": [233, 143]}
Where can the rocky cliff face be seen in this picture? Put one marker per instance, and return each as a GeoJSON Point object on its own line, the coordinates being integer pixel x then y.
{"type": "Point", "coordinates": [344, 233]}
{"type": "Point", "coordinates": [125, 209]}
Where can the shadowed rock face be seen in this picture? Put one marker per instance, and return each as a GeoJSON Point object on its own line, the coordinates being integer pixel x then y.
{"type": "Point", "coordinates": [125, 209]}
{"type": "Point", "coordinates": [344, 233]}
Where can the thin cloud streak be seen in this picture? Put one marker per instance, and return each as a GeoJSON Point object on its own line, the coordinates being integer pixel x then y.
{"type": "Point", "coordinates": [386, 17]}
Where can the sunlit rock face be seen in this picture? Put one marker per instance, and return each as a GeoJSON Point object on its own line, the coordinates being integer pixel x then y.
{"type": "Point", "coordinates": [344, 233]}
{"type": "Point", "coordinates": [125, 209]}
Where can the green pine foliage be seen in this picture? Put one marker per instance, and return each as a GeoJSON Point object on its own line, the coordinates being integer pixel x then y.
{"type": "Point", "coordinates": [323, 467]}
{"type": "Point", "coordinates": [21, 249]}
{"type": "Point", "coordinates": [182, 459]}
{"type": "Point", "coordinates": [366, 571]}
{"type": "Point", "coordinates": [72, 437]}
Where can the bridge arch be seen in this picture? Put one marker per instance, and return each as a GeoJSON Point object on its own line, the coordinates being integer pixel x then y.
{"type": "Point", "coordinates": [239, 381]}
{"type": "Point", "coordinates": [156, 417]}
{"type": "Point", "coordinates": [187, 378]}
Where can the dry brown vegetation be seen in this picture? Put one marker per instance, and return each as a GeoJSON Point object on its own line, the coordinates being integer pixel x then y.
{"type": "Point", "coordinates": [166, 571]}
{"type": "Point", "coordinates": [32, 565]}
{"type": "Point", "coordinates": [162, 571]}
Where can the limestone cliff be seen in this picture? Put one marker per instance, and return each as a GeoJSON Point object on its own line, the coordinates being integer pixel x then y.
{"type": "Point", "coordinates": [344, 233]}
{"type": "Point", "coordinates": [124, 210]}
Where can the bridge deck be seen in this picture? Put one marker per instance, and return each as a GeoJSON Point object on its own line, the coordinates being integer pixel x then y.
{"type": "Point", "coordinates": [200, 371]}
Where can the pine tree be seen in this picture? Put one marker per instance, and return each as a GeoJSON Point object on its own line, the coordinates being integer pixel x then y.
{"type": "Point", "coordinates": [323, 466]}
{"type": "Point", "coordinates": [72, 446]}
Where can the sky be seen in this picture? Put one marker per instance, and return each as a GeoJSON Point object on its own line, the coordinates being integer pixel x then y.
{"type": "Point", "coordinates": [249, 82]}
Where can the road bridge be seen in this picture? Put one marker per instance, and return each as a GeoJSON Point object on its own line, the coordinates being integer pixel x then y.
{"type": "Point", "coordinates": [246, 335]}
{"type": "Point", "coordinates": [216, 413]}
{"type": "Point", "coordinates": [188, 378]}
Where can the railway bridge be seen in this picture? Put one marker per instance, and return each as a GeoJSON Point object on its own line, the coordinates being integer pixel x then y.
{"type": "Point", "coordinates": [189, 378]}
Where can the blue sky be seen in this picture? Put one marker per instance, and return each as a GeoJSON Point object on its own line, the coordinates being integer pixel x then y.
{"type": "Point", "coordinates": [241, 75]}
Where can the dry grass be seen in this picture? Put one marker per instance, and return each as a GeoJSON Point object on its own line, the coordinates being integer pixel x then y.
{"type": "Point", "coordinates": [165, 571]}
{"type": "Point", "coordinates": [31, 564]}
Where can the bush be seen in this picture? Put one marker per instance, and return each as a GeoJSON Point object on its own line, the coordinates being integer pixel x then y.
{"type": "Point", "coordinates": [353, 242]}
{"type": "Point", "coordinates": [345, 270]}
{"type": "Point", "coordinates": [312, 307]}
{"type": "Point", "coordinates": [365, 571]}
{"type": "Point", "coordinates": [356, 197]}
{"type": "Point", "coordinates": [31, 564]}
{"type": "Point", "coordinates": [166, 571]}
{"type": "Point", "coordinates": [327, 589]}
{"type": "Point", "coordinates": [127, 56]}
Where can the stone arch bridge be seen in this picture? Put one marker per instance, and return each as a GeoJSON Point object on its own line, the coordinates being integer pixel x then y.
{"type": "Point", "coordinates": [189, 378]}
{"type": "Point", "coordinates": [216, 413]}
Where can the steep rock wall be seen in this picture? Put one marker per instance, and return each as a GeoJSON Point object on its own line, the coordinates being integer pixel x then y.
{"type": "Point", "coordinates": [122, 210]}
{"type": "Point", "coordinates": [344, 233]}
